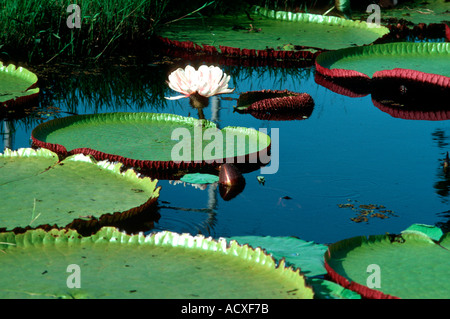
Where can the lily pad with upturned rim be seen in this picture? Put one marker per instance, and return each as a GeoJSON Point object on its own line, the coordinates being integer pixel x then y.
{"type": "Point", "coordinates": [305, 255]}
{"type": "Point", "coordinates": [17, 85]}
{"type": "Point", "coordinates": [269, 35]}
{"type": "Point", "coordinates": [147, 140]}
{"type": "Point", "coordinates": [38, 190]}
{"type": "Point", "coordinates": [162, 265]}
{"type": "Point", "coordinates": [423, 62]}
{"type": "Point", "coordinates": [411, 265]}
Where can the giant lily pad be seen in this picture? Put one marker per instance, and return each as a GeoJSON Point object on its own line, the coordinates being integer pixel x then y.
{"type": "Point", "coordinates": [422, 62]}
{"type": "Point", "coordinates": [430, 11]}
{"type": "Point", "coordinates": [17, 85]}
{"type": "Point", "coordinates": [409, 99]}
{"type": "Point", "coordinates": [38, 190]}
{"type": "Point", "coordinates": [410, 265]}
{"type": "Point", "coordinates": [113, 264]}
{"type": "Point", "coordinates": [152, 140]}
{"type": "Point", "coordinates": [305, 255]}
{"type": "Point", "coordinates": [269, 34]}
{"type": "Point", "coordinates": [396, 95]}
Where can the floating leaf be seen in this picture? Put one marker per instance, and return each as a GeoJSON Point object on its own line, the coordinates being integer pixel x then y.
{"type": "Point", "coordinates": [163, 265]}
{"type": "Point", "coordinates": [422, 62]}
{"type": "Point", "coordinates": [17, 85]}
{"type": "Point", "coordinates": [199, 178]}
{"type": "Point", "coordinates": [306, 255]}
{"type": "Point", "coordinates": [230, 35]}
{"type": "Point", "coordinates": [432, 232]}
{"type": "Point", "coordinates": [409, 265]}
{"type": "Point", "coordinates": [150, 140]}
{"type": "Point", "coordinates": [78, 192]}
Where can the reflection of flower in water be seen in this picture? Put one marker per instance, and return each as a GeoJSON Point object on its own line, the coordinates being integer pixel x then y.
{"type": "Point", "coordinates": [199, 85]}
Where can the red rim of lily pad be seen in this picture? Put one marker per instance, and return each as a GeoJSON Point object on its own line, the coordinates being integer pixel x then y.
{"type": "Point", "coordinates": [409, 114]}
{"type": "Point", "coordinates": [364, 291]}
{"type": "Point", "coordinates": [413, 75]}
{"type": "Point", "coordinates": [334, 276]}
{"type": "Point", "coordinates": [142, 215]}
{"type": "Point", "coordinates": [414, 263]}
{"type": "Point", "coordinates": [347, 87]}
{"type": "Point", "coordinates": [267, 56]}
{"type": "Point", "coordinates": [325, 59]}
{"type": "Point", "coordinates": [410, 99]}
{"type": "Point", "coordinates": [165, 166]}
{"type": "Point", "coordinates": [276, 105]}
{"type": "Point", "coordinates": [212, 55]}
{"type": "Point", "coordinates": [25, 94]}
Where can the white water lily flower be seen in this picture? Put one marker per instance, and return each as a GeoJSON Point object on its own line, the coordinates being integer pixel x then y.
{"type": "Point", "coordinates": [206, 81]}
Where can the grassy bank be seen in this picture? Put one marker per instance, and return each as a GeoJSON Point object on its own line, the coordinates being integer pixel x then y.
{"type": "Point", "coordinates": [37, 29]}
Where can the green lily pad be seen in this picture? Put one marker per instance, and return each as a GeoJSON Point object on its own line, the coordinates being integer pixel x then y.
{"type": "Point", "coordinates": [200, 178]}
{"type": "Point", "coordinates": [305, 255]}
{"type": "Point", "coordinates": [325, 289]}
{"type": "Point", "coordinates": [269, 29]}
{"type": "Point", "coordinates": [407, 266]}
{"type": "Point", "coordinates": [430, 11]}
{"type": "Point", "coordinates": [432, 232]}
{"type": "Point", "coordinates": [38, 190]}
{"type": "Point", "coordinates": [112, 264]}
{"type": "Point", "coordinates": [16, 85]}
{"type": "Point", "coordinates": [427, 58]}
{"type": "Point", "coordinates": [151, 140]}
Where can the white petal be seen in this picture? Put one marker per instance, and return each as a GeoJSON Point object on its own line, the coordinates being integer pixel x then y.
{"type": "Point", "coordinates": [176, 97]}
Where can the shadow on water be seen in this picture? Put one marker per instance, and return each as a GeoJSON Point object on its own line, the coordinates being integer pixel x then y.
{"type": "Point", "coordinates": [347, 150]}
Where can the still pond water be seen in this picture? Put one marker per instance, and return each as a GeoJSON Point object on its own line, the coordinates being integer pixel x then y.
{"type": "Point", "coordinates": [348, 153]}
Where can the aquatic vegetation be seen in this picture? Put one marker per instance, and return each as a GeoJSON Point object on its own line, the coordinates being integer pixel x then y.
{"type": "Point", "coordinates": [366, 211]}
{"type": "Point", "coordinates": [172, 142]}
{"type": "Point", "coordinates": [413, 264]}
{"type": "Point", "coordinates": [308, 256]}
{"type": "Point", "coordinates": [79, 193]}
{"type": "Point", "coordinates": [405, 94]}
{"type": "Point", "coordinates": [284, 35]}
{"type": "Point", "coordinates": [199, 178]}
{"type": "Point", "coordinates": [207, 81]}
{"type": "Point", "coordinates": [406, 80]}
{"type": "Point", "coordinates": [37, 30]}
{"type": "Point", "coordinates": [168, 265]}
{"type": "Point", "coordinates": [199, 85]}
{"type": "Point", "coordinates": [275, 105]}
{"type": "Point", "coordinates": [429, 12]}
{"type": "Point", "coordinates": [423, 62]}
{"type": "Point", "coordinates": [18, 87]}
{"type": "Point", "coordinates": [230, 175]}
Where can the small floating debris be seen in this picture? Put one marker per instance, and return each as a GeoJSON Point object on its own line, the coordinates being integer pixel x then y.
{"type": "Point", "coordinates": [261, 179]}
{"type": "Point", "coordinates": [366, 211]}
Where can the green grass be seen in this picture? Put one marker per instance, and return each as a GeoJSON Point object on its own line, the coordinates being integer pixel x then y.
{"type": "Point", "coordinates": [37, 29]}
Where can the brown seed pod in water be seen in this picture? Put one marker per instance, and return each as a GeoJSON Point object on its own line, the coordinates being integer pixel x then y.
{"type": "Point", "coordinates": [229, 175]}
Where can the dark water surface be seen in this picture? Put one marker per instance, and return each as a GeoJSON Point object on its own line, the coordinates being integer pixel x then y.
{"type": "Point", "coordinates": [348, 152]}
